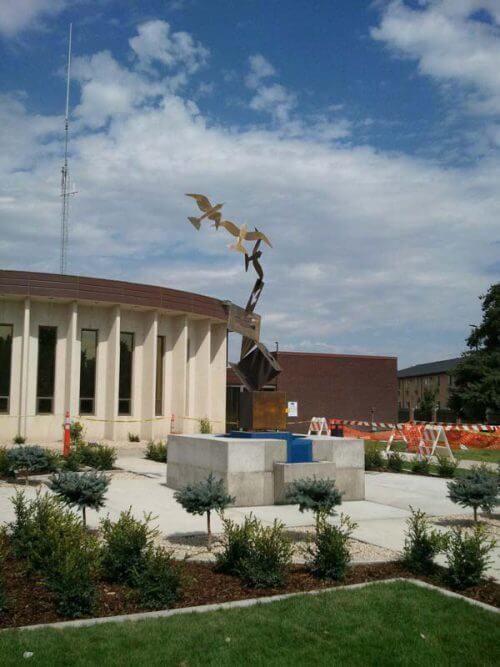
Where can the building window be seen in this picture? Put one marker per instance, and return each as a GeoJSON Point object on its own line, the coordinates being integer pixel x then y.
{"type": "Point", "coordinates": [5, 365]}
{"type": "Point", "coordinates": [47, 340]}
{"type": "Point", "coordinates": [88, 358]}
{"type": "Point", "coordinates": [160, 351]}
{"type": "Point", "coordinates": [125, 382]}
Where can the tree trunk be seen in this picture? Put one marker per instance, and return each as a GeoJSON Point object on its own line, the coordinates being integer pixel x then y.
{"type": "Point", "coordinates": [84, 516]}
{"type": "Point", "coordinates": [475, 512]}
{"type": "Point", "coordinates": [209, 532]}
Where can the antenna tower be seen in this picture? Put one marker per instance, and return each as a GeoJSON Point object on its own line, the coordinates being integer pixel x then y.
{"type": "Point", "coordinates": [65, 185]}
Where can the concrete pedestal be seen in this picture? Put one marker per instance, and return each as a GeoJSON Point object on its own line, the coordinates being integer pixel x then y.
{"type": "Point", "coordinates": [248, 467]}
{"type": "Point", "coordinates": [287, 473]}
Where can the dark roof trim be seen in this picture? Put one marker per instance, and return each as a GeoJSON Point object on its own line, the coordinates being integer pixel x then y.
{"type": "Point", "coordinates": [328, 355]}
{"type": "Point", "coordinates": [51, 285]}
{"type": "Point", "coordinates": [432, 368]}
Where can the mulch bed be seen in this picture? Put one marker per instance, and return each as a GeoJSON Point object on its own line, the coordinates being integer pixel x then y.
{"type": "Point", "coordinates": [30, 602]}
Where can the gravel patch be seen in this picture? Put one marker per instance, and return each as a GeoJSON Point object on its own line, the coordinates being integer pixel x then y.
{"type": "Point", "coordinates": [492, 522]}
{"type": "Point", "coordinates": [194, 547]}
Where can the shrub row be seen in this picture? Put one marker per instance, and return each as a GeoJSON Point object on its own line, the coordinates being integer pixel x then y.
{"type": "Point", "coordinates": [374, 460]}
{"type": "Point", "coordinates": [53, 543]}
{"type": "Point", "coordinates": [33, 459]}
{"type": "Point", "coordinates": [467, 551]}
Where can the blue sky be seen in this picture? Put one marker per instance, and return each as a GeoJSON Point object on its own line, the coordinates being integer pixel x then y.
{"type": "Point", "coordinates": [362, 137]}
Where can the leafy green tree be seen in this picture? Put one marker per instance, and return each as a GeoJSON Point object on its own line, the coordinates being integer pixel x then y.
{"type": "Point", "coordinates": [80, 490]}
{"type": "Point", "coordinates": [478, 487]}
{"type": "Point", "coordinates": [319, 496]}
{"type": "Point", "coordinates": [203, 498]}
{"type": "Point", "coordinates": [476, 391]}
{"type": "Point", "coordinates": [427, 402]}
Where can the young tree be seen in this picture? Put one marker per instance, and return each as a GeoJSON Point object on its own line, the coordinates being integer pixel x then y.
{"type": "Point", "coordinates": [427, 402]}
{"type": "Point", "coordinates": [478, 487]}
{"type": "Point", "coordinates": [203, 498]}
{"type": "Point", "coordinates": [319, 496]}
{"type": "Point", "coordinates": [476, 390]}
{"type": "Point", "coordinates": [81, 490]}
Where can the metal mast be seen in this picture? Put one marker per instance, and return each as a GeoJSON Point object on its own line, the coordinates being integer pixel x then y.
{"type": "Point", "coordinates": [65, 185]}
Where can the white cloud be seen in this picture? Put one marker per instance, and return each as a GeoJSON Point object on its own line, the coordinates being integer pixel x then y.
{"type": "Point", "coordinates": [156, 43]}
{"type": "Point", "coordinates": [451, 43]}
{"type": "Point", "coordinates": [272, 98]}
{"type": "Point", "coordinates": [260, 68]}
{"type": "Point", "coordinates": [108, 89]}
{"type": "Point", "coordinates": [373, 251]}
{"type": "Point", "coordinates": [19, 15]}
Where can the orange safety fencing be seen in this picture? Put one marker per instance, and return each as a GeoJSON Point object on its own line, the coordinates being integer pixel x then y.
{"type": "Point", "coordinates": [455, 437]}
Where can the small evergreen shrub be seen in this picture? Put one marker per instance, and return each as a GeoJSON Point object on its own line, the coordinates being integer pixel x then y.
{"type": "Point", "coordinates": [420, 466]}
{"type": "Point", "coordinates": [257, 554]}
{"type": "Point", "coordinates": [3, 555]}
{"type": "Point", "coordinates": [74, 571]}
{"type": "Point", "coordinates": [205, 425]}
{"type": "Point", "coordinates": [76, 432]}
{"type": "Point", "coordinates": [157, 579]}
{"type": "Point", "coordinates": [4, 462]}
{"type": "Point", "coordinates": [395, 462]}
{"type": "Point", "coordinates": [328, 556]}
{"type": "Point", "coordinates": [18, 440]}
{"type": "Point", "coordinates": [237, 540]}
{"type": "Point", "coordinates": [422, 543]}
{"type": "Point", "coordinates": [54, 543]}
{"type": "Point", "coordinates": [72, 461]}
{"type": "Point", "coordinates": [373, 457]}
{"type": "Point", "coordinates": [157, 451]}
{"type": "Point", "coordinates": [81, 490]}
{"type": "Point", "coordinates": [319, 496]}
{"type": "Point", "coordinates": [270, 553]}
{"type": "Point", "coordinates": [133, 437]}
{"type": "Point", "coordinates": [96, 455]}
{"type": "Point", "coordinates": [125, 544]}
{"type": "Point", "coordinates": [467, 555]}
{"type": "Point", "coordinates": [446, 466]}
{"type": "Point", "coordinates": [30, 459]}
{"type": "Point", "coordinates": [478, 488]}
{"type": "Point", "coordinates": [38, 524]}
{"type": "Point", "coordinates": [204, 497]}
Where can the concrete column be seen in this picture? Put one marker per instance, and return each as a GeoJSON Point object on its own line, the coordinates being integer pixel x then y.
{"type": "Point", "coordinates": [113, 370]}
{"type": "Point", "coordinates": [23, 393]}
{"type": "Point", "coordinates": [72, 378]}
{"type": "Point", "coordinates": [149, 374]}
{"type": "Point", "coordinates": [202, 376]}
{"type": "Point", "coordinates": [218, 363]}
{"type": "Point", "coordinates": [178, 376]}
{"type": "Point", "coordinates": [165, 329]}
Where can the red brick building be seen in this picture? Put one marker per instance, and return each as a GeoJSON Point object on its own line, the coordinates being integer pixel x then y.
{"type": "Point", "coordinates": [330, 385]}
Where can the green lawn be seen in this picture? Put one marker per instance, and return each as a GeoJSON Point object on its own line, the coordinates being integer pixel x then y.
{"type": "Point", "coordinates": [487, 455]}
{"type": "Point", "coordinates": [388, 624]}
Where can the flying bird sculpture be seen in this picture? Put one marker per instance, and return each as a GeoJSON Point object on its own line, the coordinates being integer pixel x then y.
{"type": "Point", "coordinates": [243, 235]}
{"type": "Point", "coordinates": [209, 211]}
{"type": "Point", "coordinates": [257, 365]}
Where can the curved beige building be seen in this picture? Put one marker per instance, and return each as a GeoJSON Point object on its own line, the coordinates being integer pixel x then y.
{"type": "Point", "coordinates": [120, 357]}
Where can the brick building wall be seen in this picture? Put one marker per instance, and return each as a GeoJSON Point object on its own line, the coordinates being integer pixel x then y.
{"type": "Point", "coordinates": [337, 385]}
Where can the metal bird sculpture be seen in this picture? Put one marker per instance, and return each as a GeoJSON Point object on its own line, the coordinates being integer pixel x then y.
{"type": "Point", "coordinates": [243, 235]}
{"type": "Point", "coordinates": [209, 211]}
{"type": "Point", "coordinates": [256, 363]}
